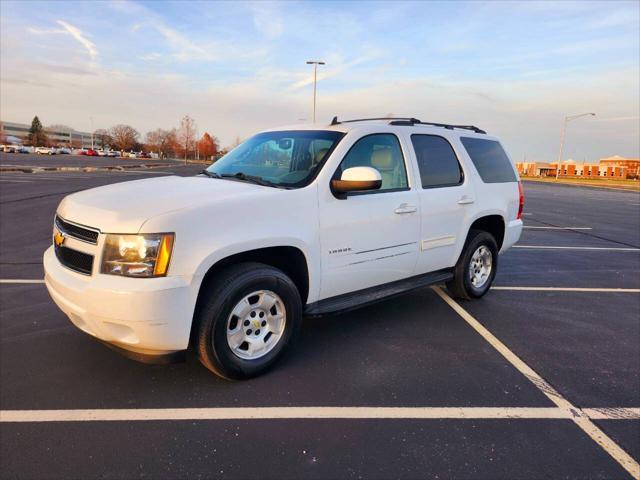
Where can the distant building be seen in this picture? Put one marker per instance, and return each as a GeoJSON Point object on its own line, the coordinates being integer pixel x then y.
{"type": "Point", "coordinates": [613, 167]}
{"type": "Point", "coordinates": [632, 165]}
{"type": "Point", "coordinates": [59, 136]}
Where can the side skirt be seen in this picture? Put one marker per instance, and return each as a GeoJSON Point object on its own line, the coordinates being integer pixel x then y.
{"type": "Point", "coordinates": [367, 296]}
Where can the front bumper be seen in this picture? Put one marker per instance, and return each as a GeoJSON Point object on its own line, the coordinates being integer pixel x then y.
{"type": "Point", "coordinates": [150, 317]}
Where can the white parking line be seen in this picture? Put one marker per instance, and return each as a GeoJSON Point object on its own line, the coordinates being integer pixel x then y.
{"type": "Point", "coordinates": [580, 418]}
{"type": "Point", "coordinates": [558, 228]}
{"type": "Point", "coordinates": [568, 289]}
{"type": "Point", "coordinates": [271, 413]}
{"type": "Point", "coordinates": [612, 413]}
{"type": "Point", "coordinates": [553, 247]}
{"type": "Point", "coordinates": [16, 280]}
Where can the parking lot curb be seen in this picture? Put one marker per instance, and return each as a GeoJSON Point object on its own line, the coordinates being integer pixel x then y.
{"type": "Point", "coordinates": [119, 168]}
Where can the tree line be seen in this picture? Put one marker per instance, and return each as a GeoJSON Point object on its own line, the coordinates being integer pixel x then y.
{"type": "Point", "coordinates": [180, 142]}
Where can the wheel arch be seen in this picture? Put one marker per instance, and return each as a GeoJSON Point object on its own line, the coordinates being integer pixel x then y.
{"type": "Point", "coordinates": [287, 258]}
{"type": "Point", "coordinates": [493, 224]}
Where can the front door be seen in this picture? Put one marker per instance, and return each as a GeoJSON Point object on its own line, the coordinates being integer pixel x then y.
{"type": "Point", "coordinates": [370, 238]}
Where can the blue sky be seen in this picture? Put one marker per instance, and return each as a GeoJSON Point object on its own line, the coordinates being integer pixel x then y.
{"type": "Point", "coordinates": [513, 68]}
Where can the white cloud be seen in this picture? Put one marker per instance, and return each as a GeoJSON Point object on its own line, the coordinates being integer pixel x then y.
{"type": "Point", "coordinates": [68, 29]}
{"type": "Point", "coordinates": [184, 49]}
{"type": "Point", "coordinates": [150, 57]}
{"type": "Point", "coordinates": [267, 18]}
{"type": "Point", "coordinates": [329, 72]}
{"type": "Point", "coordinates": [79, 36]}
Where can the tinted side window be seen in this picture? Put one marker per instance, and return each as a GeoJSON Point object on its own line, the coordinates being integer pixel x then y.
{"type": "Point", "coordinates": [437, 161]}
{"type": "Point", "coordinates": [490, 160]}
{"type": "Point", "coordinates": [382, 152]}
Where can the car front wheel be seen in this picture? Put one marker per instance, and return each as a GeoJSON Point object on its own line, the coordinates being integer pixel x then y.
{"type": "Point", "coordinates": [476, 267]}
{"type": "Point", "coordinates": [246, 320]}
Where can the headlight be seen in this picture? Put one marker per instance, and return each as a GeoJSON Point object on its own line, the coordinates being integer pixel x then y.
{"type": "Point", "coordinates": [145, 255]}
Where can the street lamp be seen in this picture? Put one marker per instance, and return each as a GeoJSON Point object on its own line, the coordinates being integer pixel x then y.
{"type": "Point", "coordinates": [315, 64]}
{"type": "Point", "coordinates": [567, 119]}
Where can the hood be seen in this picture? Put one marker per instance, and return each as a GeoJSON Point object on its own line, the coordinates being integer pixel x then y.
{"type": "Point", "coordinates": [124, 207]}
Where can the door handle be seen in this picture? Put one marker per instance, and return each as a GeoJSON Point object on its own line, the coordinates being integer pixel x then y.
{"type": "Point", "coordinates": [465, 200]}
{"type": "Point", "coordinates": [405, 208]}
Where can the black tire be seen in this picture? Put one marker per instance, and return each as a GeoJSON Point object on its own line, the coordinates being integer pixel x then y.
{"type": "Point", "coordinates": [460, 286]}
{"type": "Point", "coordinates": [216, 304]}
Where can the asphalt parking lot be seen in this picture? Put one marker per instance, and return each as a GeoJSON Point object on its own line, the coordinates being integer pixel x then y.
{"type": "Point", "coordinates": [539, 379]}
{"type": "Point", "coordinates": [32, 160]}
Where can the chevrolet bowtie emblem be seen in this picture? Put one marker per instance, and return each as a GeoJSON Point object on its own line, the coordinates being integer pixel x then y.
{"type": "Point", "coordinates": [256, 324]}
{"type": "Point", "coordinates": [58, 238]}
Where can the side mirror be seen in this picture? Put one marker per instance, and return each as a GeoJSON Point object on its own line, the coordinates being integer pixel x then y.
{"type": "Point", "coordinates": [356, 179]}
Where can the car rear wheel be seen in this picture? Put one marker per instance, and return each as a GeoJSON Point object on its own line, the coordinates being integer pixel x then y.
{"type": "Point", "coordinates": [476, 267]}
{"type": "Point", "coordinates": [246, 320]}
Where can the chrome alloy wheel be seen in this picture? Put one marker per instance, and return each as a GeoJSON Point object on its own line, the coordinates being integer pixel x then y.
{"type": "Point", "coordinates": [480, 266]}
{"type": "Point", "coordinates": [256, 324]}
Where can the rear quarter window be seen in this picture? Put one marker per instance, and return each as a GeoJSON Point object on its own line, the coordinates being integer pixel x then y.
{"type": "Point", "coordinates": [490, 160]}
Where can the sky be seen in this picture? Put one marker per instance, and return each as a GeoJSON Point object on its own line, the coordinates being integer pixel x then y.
{"type": "Point", "coordinates": [515, 69]}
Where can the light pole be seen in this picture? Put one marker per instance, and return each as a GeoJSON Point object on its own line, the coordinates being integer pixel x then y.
{"type": "Point", "coordinates": [315, 64]}
{"type": "Point", "coordinates": [91, 118]}
{"type": "Point", "coordinates": [567, 119]}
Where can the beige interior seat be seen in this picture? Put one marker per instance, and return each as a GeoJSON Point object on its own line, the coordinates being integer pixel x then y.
{"type": "Point", "coordinates": [320, 155]}
{"type": "Point", "coordinates": [383, 161]}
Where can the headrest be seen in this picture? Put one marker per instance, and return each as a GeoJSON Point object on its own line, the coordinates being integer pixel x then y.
{"type": "Point", "coordinates": [320, 155]}
{"type": "Point", "coordinates": [382, 159]}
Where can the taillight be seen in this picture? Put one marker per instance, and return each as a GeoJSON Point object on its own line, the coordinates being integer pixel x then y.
{"type": "Point", "coordinates": [521, 205]}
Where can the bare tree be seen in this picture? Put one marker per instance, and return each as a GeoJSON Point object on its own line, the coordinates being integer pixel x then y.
{"type": "Point", "coordinates": [103, 137]}
{"type": "Point", "coordinates": [187, 135]}
{"type": "Point", "coordinates": [163, 141]}
{"type": "Point", "coordinates": [124, 137]}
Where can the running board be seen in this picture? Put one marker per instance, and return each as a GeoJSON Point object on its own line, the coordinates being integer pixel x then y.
{"type": "Point", "coordinates": [349, 301]}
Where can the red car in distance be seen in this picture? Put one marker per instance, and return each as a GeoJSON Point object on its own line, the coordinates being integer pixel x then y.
{"type": "Point", "coordinates": [92, 153]}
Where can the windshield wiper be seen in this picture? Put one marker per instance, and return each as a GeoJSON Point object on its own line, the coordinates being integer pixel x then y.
{"type": "Point", "coordinates": [210, 174]}
{"type": "Point", "coordinates": [250, 178]}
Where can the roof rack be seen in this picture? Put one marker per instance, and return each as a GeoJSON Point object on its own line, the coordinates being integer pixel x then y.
{"type": "Point", "coordinates": [409, 121]}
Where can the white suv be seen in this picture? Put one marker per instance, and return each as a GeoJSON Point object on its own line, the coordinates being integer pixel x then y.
{"type": "Point", "coordinates": [45, 151]}
{"type": "Point", "coordinates": [294, 221]}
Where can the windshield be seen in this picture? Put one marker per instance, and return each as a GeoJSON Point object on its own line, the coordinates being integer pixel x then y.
{"type": "Point", "coordinates": [283, 159]}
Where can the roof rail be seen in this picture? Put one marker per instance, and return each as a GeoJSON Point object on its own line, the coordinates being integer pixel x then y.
{"type": "Point", "coordinates": [409, 121]}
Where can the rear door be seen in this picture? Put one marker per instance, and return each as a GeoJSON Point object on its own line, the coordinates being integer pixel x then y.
{"type": "Point", "coordinates": [446, 202]}
{"type": "Point", "coordinates": [370, 238]}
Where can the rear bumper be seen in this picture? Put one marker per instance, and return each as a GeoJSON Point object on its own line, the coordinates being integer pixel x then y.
{"type": "Point", "coordinates": [512, 234]}
{"type": "Point", "coordinates": [149, 317]}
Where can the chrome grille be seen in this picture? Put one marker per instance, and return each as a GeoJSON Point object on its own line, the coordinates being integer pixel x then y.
{"type": "Point", "coordinates": [84, 234]}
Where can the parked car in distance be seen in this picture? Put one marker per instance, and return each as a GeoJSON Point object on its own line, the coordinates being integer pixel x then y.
{"type": "Point", "coordinates": [300, 220]}
{"type": "Point", "coordinates": [63, 151]}
{"type": "Point", "coordinates": [91, 152]}
{"type": "Point", "coordinates": [132, 155]}
{"type": "Point", "coordinates": [14, 149]}
{"type": "Point", "coordinates": [45, 151]}
{"type": "Point", "coordinates": [113, 153]}
{"type": "Point", "coordinates": [144, 155]}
